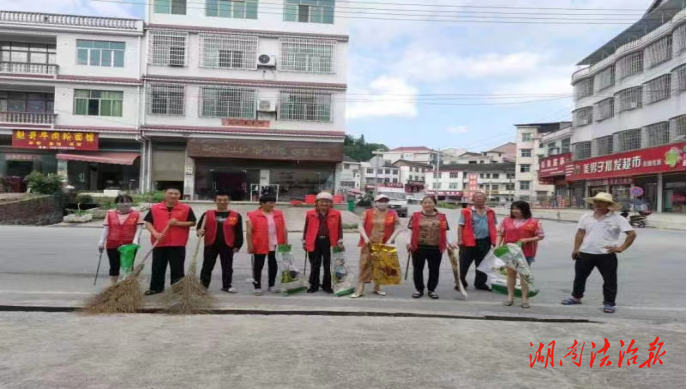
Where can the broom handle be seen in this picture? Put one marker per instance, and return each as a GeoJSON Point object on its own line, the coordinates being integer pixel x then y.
{"type": "Point", "coordinates": [200, 239]}
{"type": "Point", "coordinates": [139, 267]}
{"type": "Point", "coordinates": [408, 264]}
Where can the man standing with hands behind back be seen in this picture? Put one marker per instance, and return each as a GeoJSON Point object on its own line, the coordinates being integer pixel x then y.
{"type": "Point", "coordinates": [171, 247]}
{"type": "Point", "coordinates": [476, 236]}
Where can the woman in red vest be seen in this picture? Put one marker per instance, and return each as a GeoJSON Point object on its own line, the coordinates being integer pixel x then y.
{"type": "Point", "coordinates": [379, 225]}
{"type": "Point", "coordinates": [322, 232]}
{"type": "Point", "coordinates": [428, 241]}
{"type": "Point", "coordinates": [520, 227]}
{"type": "Point", "coordinates": [121, 227]}
{"type": "Point", "coordinates": [265, 229]}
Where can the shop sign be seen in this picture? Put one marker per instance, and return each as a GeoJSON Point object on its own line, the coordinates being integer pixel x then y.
{"type": "Point", "coordinates": [55, 140]}
{"type": "Point", "coordinates": [611, 181]}
{"type": "Point", "coordinates": [553, 165]}
{"type": "Point", "coordinates": [444, 193]}
{"type": "Point", "coordinates": [391, 185]}
{"type": "Point", "coordinates": [662, 159]}
{"type": "Point", "coordinates": [245, 123]}
{"type": "Point", "coordinates": [266, 150]}
{"type": "Point", "coordinates": [22, 157]}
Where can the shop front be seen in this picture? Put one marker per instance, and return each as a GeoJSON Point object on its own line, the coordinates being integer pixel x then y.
{"type": "Point", "coordinates": [674, 193]}
{"type": "Point", "coordinates": [552, 172]}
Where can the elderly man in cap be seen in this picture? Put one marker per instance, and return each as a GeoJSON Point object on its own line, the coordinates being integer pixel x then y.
{"type": "Point", "coordinates": [596, 246]}
{"type": "Point", "coordinates": [322, 231]}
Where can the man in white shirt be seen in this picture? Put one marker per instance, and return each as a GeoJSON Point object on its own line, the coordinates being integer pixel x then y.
{"type": "Point", "coordinates": [595, 246]}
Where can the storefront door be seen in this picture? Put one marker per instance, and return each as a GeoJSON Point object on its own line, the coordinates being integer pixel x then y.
{"type": "Point", "coordinates": [674, 193]}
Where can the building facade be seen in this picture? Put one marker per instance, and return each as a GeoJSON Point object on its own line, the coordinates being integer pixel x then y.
{"type": "Point", "coordinates": [348, 175]}
{"type": "Point", "coordinates": [457, 183]}
{"type": "Point", "coordinates": [554, 156]}
{"type": "Point", "coordinates": [389, 175]}
{"type": "Point", "coordinates": [413, 154]}
{"type": "Point", "coordinates": [412, 175]}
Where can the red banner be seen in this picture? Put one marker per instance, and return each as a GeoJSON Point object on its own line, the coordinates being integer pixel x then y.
{"type": "Point", "coordinates": [55, 140]}
{"type": "Point", "coordinates": [553, 166]}
{"type": "Point", "coordinates": [662, 159]}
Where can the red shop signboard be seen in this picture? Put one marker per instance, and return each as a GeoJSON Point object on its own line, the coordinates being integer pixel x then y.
{"type": "Point", "coordinates": [553, 166]}
{"type": "Point", "coordinates": [662, 159]}
{"type": "Point", "coordinates": [54, 140]}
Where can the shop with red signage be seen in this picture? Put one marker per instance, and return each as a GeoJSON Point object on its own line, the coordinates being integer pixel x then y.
{"type": "Point", "coordinates": [552, 172]}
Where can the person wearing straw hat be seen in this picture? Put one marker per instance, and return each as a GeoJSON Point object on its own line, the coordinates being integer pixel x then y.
{"type": "Point", "coordinates": [596, 246]}
{"type": "Point", "coordinates": [322, 231]}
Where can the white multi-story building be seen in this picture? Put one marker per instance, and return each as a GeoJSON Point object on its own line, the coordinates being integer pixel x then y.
{"type": "Point", "coordinates": [412, 175]}
{"type": "Point", "coordinates": [413, 154]}
{"type": "Point", "coordinates": [458, 182]}
{"type": "Point", "coordinates": [553, 157]}
{"type": "Point", "coordinates": [501, 154]}
{"type": "Point", "coordinates": [629, 117]}
{"type": "Point", "coordinates": [389, 175]}
{"type": "Point", "coordinates": [348, 175]}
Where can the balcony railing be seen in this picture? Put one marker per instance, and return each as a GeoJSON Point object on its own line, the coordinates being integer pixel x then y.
{"type": "Point", "coordinates": [28, 68]}
{"type": "Point", "coordinates": [27, 118]}
{"type": "Point", "coordinates": [69, 20]}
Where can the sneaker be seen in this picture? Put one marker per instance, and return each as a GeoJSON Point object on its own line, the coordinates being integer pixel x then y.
{"type": "Point", "coordinates": [229, 290]}
{"type": "Point", "coordinates": [272, 289]}
{"type": "Point", "coordinates": [328, 291]}
{"type": "Point", "coordinates": [312, 290]}
{"type": "Point", "coordinates": [258, 292]}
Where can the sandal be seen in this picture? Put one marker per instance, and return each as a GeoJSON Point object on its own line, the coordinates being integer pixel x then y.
{"type": "Point", "coordinates": [433, 295]}
{"type": "Point", "coordinates": [571, 301]}
{"type": "Point", "coordinates": [525, 304]}
{"type": "Point", "coordinates": [379, 292]}
{"type": "Point", "coordinates": [417, 295]}
{"type": "Point", "coordinates": [152, 292]}
{"type": "Point", "coordinates": [609, 309]}
{"type": "Point", "coordinates": [508, 303]}
{"type": "Point", "coordinates": [357, 295]}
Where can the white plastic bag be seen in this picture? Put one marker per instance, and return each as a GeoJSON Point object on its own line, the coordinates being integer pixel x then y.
{"type": "Point", "coordinates": [342, 278]}
{"type": "Point", "coordinates": [492, 266]}
{"type": "Point", "coordinates": [291, 280]}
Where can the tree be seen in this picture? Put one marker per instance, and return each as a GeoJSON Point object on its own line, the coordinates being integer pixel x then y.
{"type": "Point", "coordinates": [360, 150]}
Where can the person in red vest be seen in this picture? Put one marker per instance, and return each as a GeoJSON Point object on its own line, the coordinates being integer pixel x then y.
{"type": "Point", "coordinates": [171, 247]}
{"type": "Point", "coordinates": [322, 231]}
{"type": "Point", "coordinates": [520, 227]}
{"type": "Point", "coordinates": [223, 233]}
{"type": "Point", "coordinates": [476, 236]}
{"type": "Point", "coordinates": [121, 227]}
{"type": "Point", "coordinates": [428, 242]}
{"type": "Point", "coordinates": [265, 229]}
{"type": "Point", "coordinates": [379, 225]}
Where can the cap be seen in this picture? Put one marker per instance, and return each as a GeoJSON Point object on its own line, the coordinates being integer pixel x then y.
{"type": "Point", "coordinates": [381, 197]}
{"type": "Point", "coordinates": [324, 196]}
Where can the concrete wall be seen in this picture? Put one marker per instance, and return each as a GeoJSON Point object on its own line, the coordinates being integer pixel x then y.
{"type": "Point", "coordinates": [64, 106]}
{"type": "Point", "coordinates": [66, 57]}
{"type": "Point", "coordinates": [40, 211]}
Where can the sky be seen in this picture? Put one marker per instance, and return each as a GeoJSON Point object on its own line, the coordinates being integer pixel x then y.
{"type": "Point", "coordinates": [439, 83]}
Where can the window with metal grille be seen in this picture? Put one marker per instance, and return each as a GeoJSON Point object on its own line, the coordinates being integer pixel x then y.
{"type": "Point", "coordinates": [309, 11]}
{"type": "Point", "coordinates": [525, 168]}
{"type": "Point", "coordinates": [584, 88]}
{"type": "Point", "coordinates": [174, 7]}
{"type": "Point", "coordinates": [228, 51]}
{"type": "Point", "coordinates": [453, 185]}
{"type": "Point", "coordinates": [27, 53]}
{"type": "Point", "coordinates": [526, 137]}
{"type": "Point", "coordinates": [227, 102]}
{"type": "Point", "coordinates": [453, 175]}
{"type": "Point", "coordinates": [237, 9]}
{"type": "Point", "coordinates": [677, 128]}
{"type": "Point", "coordinates": [628, 99]}
{"type": "Point", "coordinates": [27, 102]}
{"type": "Point", "coordinates": [525, 185]}
{"type": "Point", "coordinates": [98, 103]}
{"type": "Point", "coordinates": [657, 134]}
{"type": "Point", "coordinates": [307, 55]}
{"type": "Point", "coordinates": [526, 153]}
{"type": "Point", "coordinates": [582, 116]}
{"type": "Point", "coordinates": [628, 140]}
{"type": "Point", "coordinates": [305, 106]}
{"type": "Point", "coordinates": [678, 40]}
{"type": "Point", "coordinates": [602, 146]}
{"type": "Point", "coordinates": [582, 150]}
{"type": "Point", "coordinates": [167, 48]}
{"type": "Point", "coordinates": [658, 52]}
{"type": "Point", "coordinates": [166, 99]}
{"type": "Point", "coordinates": [629, 65]}
{"type": "Point", "coordinates": [604, 79]}
{"type": "Point", "coordinates": [100, 53]}
{"type": "Point", "coordinates": [678, 79]}
{"type": "Point", "coordinates": [565, 145]}
{"type": "Point", "coordinates": [657, 89]}
{"type": "Point", "coordinates": [604, 109]}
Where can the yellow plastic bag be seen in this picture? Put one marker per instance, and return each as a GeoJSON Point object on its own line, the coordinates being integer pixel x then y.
{"type": "Point", "coordinates": [386, 269]}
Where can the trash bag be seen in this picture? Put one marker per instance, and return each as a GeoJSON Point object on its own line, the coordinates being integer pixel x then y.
{"type": "Point", "coordinates": [512, 255]}
{"type": "Point", "coordinates": [386, 270]}
{"type": "Point", "coordinates": [291, 281]}
{"type": "Point", "coordinates": [498, 260]}
{"type": "Point", "coordinates": [342, 278]}
{"type": "Point", "coordinates": [127, 253]}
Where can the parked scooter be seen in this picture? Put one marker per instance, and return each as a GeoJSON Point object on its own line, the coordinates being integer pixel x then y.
{"type": "Point", "coordinates": [638, 220]}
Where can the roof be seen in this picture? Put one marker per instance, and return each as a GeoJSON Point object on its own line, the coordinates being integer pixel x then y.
{"type": "Point", "coordinates": [506, 148]}
{"type": "Point", "coordinates": [346, 158]}
{"type": "Point", "coordinates": [388, 164]}
{"type": "Point", "coordinates": [413, 163]}
{"type": "Point", "coordinates": [419, 148]}
{"type": "Point", "coordinates": [544, 128]}
{"type": "Point", "coordinates": [471, 153]}
{"type": "Point", "coordinates": [480, 167]}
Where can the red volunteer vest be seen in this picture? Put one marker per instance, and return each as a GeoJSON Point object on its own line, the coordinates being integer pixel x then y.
{"type": "Point", "coordinates": [512, 234]}
{"type": "Point", "coordinates": [415, 235]}
{"type": "Point", "coordinates": [259, 236]}
{"type": "Point", "coordinates": [228, 227]}
{"type": "Point", "coordinates": [121, 234]}
{"type": "Point", "coordinates": [176, 236]}
{"type": "Point", "coordinates": [333, 221]}
{"type": "Point", "coordinates": [389, 224]}
{"type": "Point", "coordinates": [469, 233]}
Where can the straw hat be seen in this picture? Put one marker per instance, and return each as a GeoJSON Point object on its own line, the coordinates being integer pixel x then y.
{"type": "Point", "coordinates": [324, 196]}
{"type": "Point", "coordinates": [606, 198]}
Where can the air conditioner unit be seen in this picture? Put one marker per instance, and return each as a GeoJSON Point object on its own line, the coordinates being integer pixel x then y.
{"type": "Point", "coordinates": [267, 61]}
{"type": "Point", "coordinates": [267, 106]}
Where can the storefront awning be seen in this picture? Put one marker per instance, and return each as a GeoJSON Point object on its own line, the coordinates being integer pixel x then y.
{"type": "Point", "coordinates": [111, 158]}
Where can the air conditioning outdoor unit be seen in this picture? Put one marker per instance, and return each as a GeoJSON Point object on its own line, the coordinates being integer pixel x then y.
{"type": "Point", "coordinates": [267, 106]}
{"type": "Point", "coordinates": [267, 61]}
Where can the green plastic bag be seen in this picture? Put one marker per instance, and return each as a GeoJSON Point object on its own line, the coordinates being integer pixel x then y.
{"type": "Point", "coordinates": [291, 279]}
{"type": "Point", "coordinates": [127, 253]}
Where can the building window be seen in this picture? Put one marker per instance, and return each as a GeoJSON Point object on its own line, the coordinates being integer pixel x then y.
{"type": "Point", "coordinates": [628, 99]}
{"type": "Point", "coordinates": [602, 146]}
{"type": "Point", "coordinates": [628, 140]}
{"type": "Point", "coordinates": [629, 65]}
{"type": "Point", "coordinates": [495, 175]}
{"type": "Point", "coordinates": [526, 137]}
{"type": "Point", "coordinates": [98, 103]}
{"type": "Point", "coordinates": [229, 51]}
{"type": "Point", "coordinates": [658, 52]}
{"type": "Point", "coordinates": [565, 145]}
{"type": "Point", "coordinates": [227, 102]}
{"type": "Point", "coordinates": [677, 128]}
{"type": "Point", "coordinates": [307, 55]}
{"type": "Point", "coordinates": [678, 77]}
{"type": "Point", "coordinates": [657, 89]}
{"type": "Point", "coordinates": [487, 175]}
{"type": "Point", "coordinates": [174, 7]}
{"type": "Point", "coordinates": [481, 186]}
{"type": "Point", "coordinates": [395, 172]}
{"type": "Point", "coordinates": [481, 175]}
{"type": "Point", "coordinates": [494, 187]}
{"type": "Point", "coordinates": [166, 99]}
{"type": "Point", "coordinates": [526, 153]}
{"type": "Point", "coordinates": [305, 106]}
{"type": "Point", "coordinates": [453, 185]}
{"type": "Point", "coordinates": [237, 9]}
{"type": "Point", "coordinates": [370, 171]}
{"type": "Point", "coordinates": [387, 171]}
{"type": "Point", "coordinates": [346, 166]}
{"type": "Point", "coordinates": [604, 109]}
{"type": "Point", "coordinates": [657, 134]}
{"type": "Point", "coordinates": [525, 168]}
{"type": "Point", "coordinates": [27, 102]}
{"type": "Point", "coordinates": [584, 88]}
{"type": "Point", "coordinates": [453, 175]}
{"type": "Point", "coordinates": [582, 116]}
{"type": "Point", "coordinates": [27, 53]}
{"type": "Point", "coordinates": [679, 40]}
{"type": "Point", "coordinates": [525, 185]}
{"type": "Point", "coordinates": [100, 53]}
{"type": "Point", "coordinates": [436, 185]}
{"type": "Point", "coordinates": [604, 79]}
{"type": "Point", "coordinates": [168, 48]}
{"type": "Point", "coordinates": [309, 11]}
{"type": "Point", "coordinates": [582, 150]}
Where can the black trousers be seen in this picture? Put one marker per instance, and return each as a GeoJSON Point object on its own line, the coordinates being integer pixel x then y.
{"type": "Point", "coordinates": [226, 259]}
{"type": "Point", "coordinates": [321, 257]}
{"type": "Point", "coordinates": [608, 267]}
{"type": "Point", "coordinates": [474, 254]}
{"type": "Point", "coordinates": [175, 256]}
{"type": "Point", "coordinates": [431, 255]}
{"type": "Point", "coordinates": [259, 264]}
{"type": "Point", "coordinates": [113, 255]}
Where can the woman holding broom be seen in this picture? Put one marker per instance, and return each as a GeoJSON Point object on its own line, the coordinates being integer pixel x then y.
{"type": "Point", "coordinates": [121, 227]}
{"type": "Point", "coordinates": [265, 230]}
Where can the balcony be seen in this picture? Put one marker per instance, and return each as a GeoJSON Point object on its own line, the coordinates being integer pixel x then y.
{"type": "Point", "coordinates": [90, 22]}
{"type": "Point", "coordinates": [27, 118]}
{"type": "Point", "coordinates": [28, 68]}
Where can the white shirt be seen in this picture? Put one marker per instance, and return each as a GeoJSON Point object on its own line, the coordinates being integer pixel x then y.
{"type": "Point", "coordinates": [601, 233]}
{"type": "Point", "coordinates": [271, 230]}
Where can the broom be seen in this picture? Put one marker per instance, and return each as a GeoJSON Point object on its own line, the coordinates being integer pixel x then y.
{"type": "Point", "coordinates": [125, 296]}
{"type": "Point", "coordinates": [188, 296]}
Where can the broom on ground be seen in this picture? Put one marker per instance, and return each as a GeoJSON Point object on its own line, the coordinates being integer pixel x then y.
{"type": "Point", "coordinates": [125, 296]}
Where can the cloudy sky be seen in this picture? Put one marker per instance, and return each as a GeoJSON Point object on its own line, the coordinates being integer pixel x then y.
{"type": "Point", "coordinates": [439, 81]}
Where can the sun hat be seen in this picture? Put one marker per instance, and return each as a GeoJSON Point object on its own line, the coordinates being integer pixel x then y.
{"type": "Point", "coordinates": [606, 198]}
{"type": "Point", "coordinates": [381, 197]}
{"type": "Point", "coordinates": [324, 196]}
